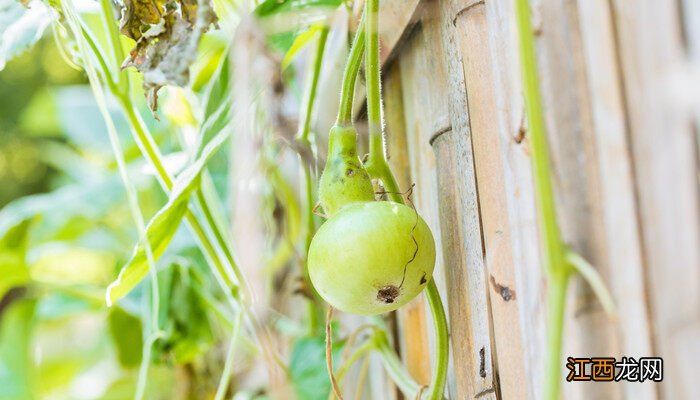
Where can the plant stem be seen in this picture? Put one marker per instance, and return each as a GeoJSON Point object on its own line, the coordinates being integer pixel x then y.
{"type": "Point", "coordinates": [120, 78]}
{"type": "Point", "coordinates": [313, 85]}
{"type": "Point", "coordinates": [556, 305]}
{"type": "Point", "coordinates": [394, 366]}
{"type": "Point", "coordinates": [556, 265]}
{"type": "Point", "coordinates": [303, 138]}
{"type": "Point", "coordinates": [372, 74]}
{"type": "Point", "coordinates": [347, 92]}
{"type": "Point", "coordinates": [378, 167]}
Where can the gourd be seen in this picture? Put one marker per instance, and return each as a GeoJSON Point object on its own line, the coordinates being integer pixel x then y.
{"type": "Point", "coordinates": [371, 257]}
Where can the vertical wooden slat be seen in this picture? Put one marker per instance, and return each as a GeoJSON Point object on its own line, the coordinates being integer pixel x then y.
{"type": "Point", "coordinates": [624, 257]}
{"type": "Point", "coordinates": [665, 164]}
{"type": "Point", "coordinates": [568, 115]}
{"type": "Point", "coordinates": [424, 110]}
{"type": "Point", "coordinates": [472, 30]}
{"type": "Point", "coordinates": [470, 323]}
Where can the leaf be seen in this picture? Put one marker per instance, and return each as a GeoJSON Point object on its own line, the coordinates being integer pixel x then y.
{"type": "Point", "coordinates": [13, 269]}
{"type": "Point", "coordinates": [162, 227]}
{"type": "Point", "coordinates": [291, 16]}
{"type": "Point", "coordinates": [167, 36]}
{"type": "Point", "coordinates": [308, 367]}
{"type": "Point", "coordinates": [159, 232]}
{"type": "Point", "coordinates": [57, 208]}
{"type": "Point", "coordinates": [272, 7]}
{"type": "Point", "coordinates": [16, 365]}
{"type": "Point", "coordinates": [218, 106]}
{"type": "Point", "coordinates": [183, 316]}
{"type": "Point", "coordinates": [125, 330]}
{"type": "Point", "coordinates": [21, 27]}
{"type": "Point", "coordinates": [299, 43]}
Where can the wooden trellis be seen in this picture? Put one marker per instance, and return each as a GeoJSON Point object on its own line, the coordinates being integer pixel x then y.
{"type": "Point", "coordinates": [620, 83]}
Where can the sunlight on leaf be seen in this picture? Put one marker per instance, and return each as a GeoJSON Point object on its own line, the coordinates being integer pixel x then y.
{"type": "Point", "coordinates": [164, 224]}
{"type": "Point", "coordinates": [299, 43]}
{"type": "Point", "coordinates": [21, 27]}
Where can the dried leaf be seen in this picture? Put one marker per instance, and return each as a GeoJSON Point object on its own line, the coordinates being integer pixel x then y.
{"type": "Point", "coordinates": [167, 35]}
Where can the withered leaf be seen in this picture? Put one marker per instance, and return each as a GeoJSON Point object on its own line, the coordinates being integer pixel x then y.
{"type": "Point", "coordinates": [167, 35]}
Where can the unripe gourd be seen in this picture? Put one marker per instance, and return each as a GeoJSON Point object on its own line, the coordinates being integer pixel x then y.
{"type": "Point", "coordinates": [369, 257]}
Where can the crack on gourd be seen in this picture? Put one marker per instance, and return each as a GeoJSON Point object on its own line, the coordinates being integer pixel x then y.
{"type": "Point", "coordinates": [409, 192]}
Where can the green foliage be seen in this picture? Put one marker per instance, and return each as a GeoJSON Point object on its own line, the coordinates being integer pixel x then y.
{"type": "Point", "coordinates": [307, 367]}
{"type": "Point", "coordinates": [125, 330]}
{"type": "Point", "coordinates": [162, 227]}
{"type": "Point", "coordinates": [183, 316]}
{"type": "Point", "coordinates": [274, 7]}
{"type": "Point", "coordinates": [21, 26]}
{"type": "Point", "coordinates": [16, 367]}
{"type": "Point", "coordinates": [13, 269]}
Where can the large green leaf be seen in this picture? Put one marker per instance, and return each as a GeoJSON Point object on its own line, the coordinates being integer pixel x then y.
{"type": "Point", "coordinates": [16, 366]}
{"type": "Point", "coordinates": [272, 7]}
{"type": "Point", "coordinates": [13, 247]}
{"type": "Point", "coordinates": [21, 27]}
{"type": "Point", "coordinates": [183, 316]}
{"type": "Point", "coordinates": [125, 330]}
{"type": "Point", "coordinates": [162, 227]}
{"type": "Point", "coordinates": [300, 42]}
{"type": "Point", "coordinates": [217, 105]}
{"type": "Point", "coordinates": [308, 367]}
{"type": "Point", "coordinates": [281, 18]}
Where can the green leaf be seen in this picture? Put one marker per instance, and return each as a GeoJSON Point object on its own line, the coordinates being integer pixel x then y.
{"type": "Point", "coordinates": [126, 332]}
{"type": "Point", "coordinates": [218, 105]}
{"type": "Point", "coordinates": [162, 227]}
{"type": "Point", "coordinates": [308, 367]}
{"type": "Point", "coordinates": [13, 270]}
{"type": "Point", "coordinates": [16, 366]}
{"type": "Point", "coordinates": [272, 7]}
{"type": "Point", "coordinates": [21, 27]}
{"type": "Point", "coordinates": [292, 16]}
{"type": "Point", "coordinates": [299, 43]}
{"type": "Point", "coordinates": [159, 232]}
{"type": "Point", "coordinates": [183, 315]}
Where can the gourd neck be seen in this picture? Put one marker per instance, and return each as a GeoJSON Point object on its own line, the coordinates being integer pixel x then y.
{"type": "Point", "coordinates": [342, 141]}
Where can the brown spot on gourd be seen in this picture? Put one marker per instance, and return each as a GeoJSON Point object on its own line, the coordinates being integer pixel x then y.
{"type": "Point", "coordinates": [422, 279]}
{"type": "Point", "coordinates": [388, 294]}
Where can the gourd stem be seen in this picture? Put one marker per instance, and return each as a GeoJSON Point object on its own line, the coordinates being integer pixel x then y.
{"type": "Point", "coordinates": [121, 78]}
{"type": "Point", "coordinates": [347, 91]}
{"type": "Point", "coordinates": [303, 137]}
{"type": "Point", "coordinates": [313, 85]}
{"type": "Point", "coordinates": [556, 266]}
{"type": "Point", "coordinates": [373, 71]}
{"type": "Point", "coordinates": [378, 167]}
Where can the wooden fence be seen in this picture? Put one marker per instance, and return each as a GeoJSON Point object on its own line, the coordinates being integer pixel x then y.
{"type": "Point", "coordinates": [621, 87]}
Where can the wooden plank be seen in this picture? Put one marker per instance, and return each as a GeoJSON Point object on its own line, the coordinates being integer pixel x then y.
{"type": "Point", "coordinates": [467, 297]}
{"type": "Point", "coordinates": [624, 253]}
{"type": "Point", "coordinates": [665, 166]}
{"type": "Point", "coordinates": [471, 25]}
{"type": "Point", "coordinates": [423, 110]}
{"type": "Point", "coordinates": [568, 115]}
{"type": "Point", "coordinates": [412, 317]}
